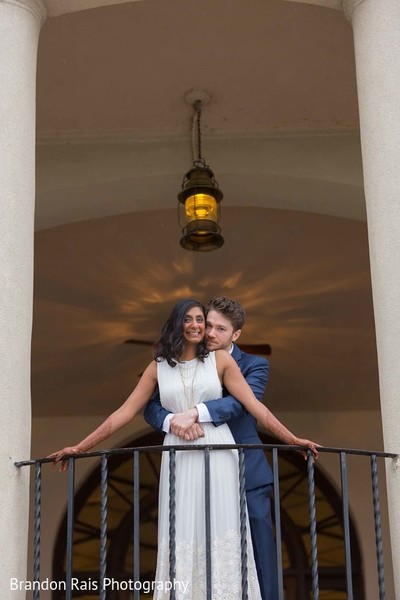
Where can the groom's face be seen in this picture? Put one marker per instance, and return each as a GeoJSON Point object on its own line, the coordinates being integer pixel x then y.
{"type": "Point", "coordinates": [219, 331]}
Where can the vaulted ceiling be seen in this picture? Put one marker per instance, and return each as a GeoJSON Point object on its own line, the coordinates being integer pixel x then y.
{"type": "Point", "coordinates": [113, 142]}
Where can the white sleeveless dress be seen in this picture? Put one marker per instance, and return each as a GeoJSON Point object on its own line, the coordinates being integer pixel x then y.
{"type": "Point", "coordinates": [182, 387]}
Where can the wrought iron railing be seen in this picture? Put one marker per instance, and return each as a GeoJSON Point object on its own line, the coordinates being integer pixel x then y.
{"type": "Point", "coordinates": [135, 453]}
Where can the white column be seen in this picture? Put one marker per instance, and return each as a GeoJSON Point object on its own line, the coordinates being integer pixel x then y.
{"type": "Point", "coordinates": [376, 27]}
{"type": "Point", "coordinates": [20, 22]}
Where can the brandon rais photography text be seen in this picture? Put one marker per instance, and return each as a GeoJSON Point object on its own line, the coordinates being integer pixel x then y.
{"type": "Point", "coordinates": [108, 583]}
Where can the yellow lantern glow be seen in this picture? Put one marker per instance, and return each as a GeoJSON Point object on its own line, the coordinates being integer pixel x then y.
{"type": "Point", "coordinates": [201, 206]}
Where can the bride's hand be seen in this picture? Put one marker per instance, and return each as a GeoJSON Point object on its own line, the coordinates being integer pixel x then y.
{"type": "Point", "coordinates": [194, 432]}
{"type": "Point", "coordinates": [61, 456]}
{"type": "Point", "coordinates": [313, 446]}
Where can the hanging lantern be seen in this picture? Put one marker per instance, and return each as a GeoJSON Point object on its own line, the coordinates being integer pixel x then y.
{"type": "Point", "coordinates": [199, 210]}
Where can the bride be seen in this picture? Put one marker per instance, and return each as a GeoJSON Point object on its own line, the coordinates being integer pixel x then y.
{"type": "Point", "coordinates": [187, 374]}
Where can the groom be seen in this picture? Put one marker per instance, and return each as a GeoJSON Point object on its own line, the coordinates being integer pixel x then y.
{"type": "Point", "coordinates": [224, 322]}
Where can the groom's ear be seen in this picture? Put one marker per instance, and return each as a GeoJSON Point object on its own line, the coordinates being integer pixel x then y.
{"type": "Point", "coordinates": [236, 334]}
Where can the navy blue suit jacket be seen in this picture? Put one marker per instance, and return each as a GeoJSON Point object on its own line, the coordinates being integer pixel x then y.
{"type": "Point", "coordinates": [229, 410]}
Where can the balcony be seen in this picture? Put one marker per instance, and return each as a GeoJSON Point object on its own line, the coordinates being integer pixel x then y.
{"type": "Point", "coordinates": [106, 544]}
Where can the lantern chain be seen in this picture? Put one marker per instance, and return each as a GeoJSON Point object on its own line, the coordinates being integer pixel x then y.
{"type": "Point", "coordinates": [197, 108]}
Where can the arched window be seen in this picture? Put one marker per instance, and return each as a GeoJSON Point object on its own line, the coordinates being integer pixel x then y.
{"type": "Point", "coordinates": [294, 521]}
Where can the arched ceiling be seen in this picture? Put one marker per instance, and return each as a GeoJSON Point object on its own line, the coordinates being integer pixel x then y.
{"type": "Point", "coordinates": [281, 133]}
{"type": "Point", "coordinates": [269, 66]}
{"type": "Point", "coordinates": [78, 181]}
{"type": "Point", "coordinates": [281, 129]}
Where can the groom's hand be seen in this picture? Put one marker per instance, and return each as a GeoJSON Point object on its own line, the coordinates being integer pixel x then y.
{"type": "Point", "coordinates": [181, 422]}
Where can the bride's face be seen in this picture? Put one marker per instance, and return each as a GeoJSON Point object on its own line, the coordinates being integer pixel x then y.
{"type": "Point", "coordinates": [194, 325]}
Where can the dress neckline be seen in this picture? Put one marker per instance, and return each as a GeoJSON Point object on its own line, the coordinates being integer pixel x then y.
{"type": "Point", "coordinates": [187, 362]}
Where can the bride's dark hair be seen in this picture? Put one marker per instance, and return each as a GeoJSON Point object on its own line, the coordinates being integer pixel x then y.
{"type": "Point", "coordinates": [170, 345]}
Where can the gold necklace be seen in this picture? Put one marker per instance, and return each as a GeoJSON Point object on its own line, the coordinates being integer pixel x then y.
{"type": "Point", "coordinates": [188, 376]}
